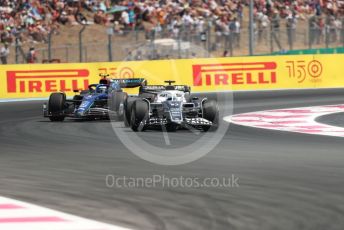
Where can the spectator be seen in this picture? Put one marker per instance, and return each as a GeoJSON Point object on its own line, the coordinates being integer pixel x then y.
{"type": "Point", "coordinates": [117, 28]}
{"type": "Point", "coordinates": [332, 29]}
{"type": "Point", "coordinates": [138, 56]}
{"type": "Point", "coordinates": [4, 52]}
{"type": "Point", "coordinates": [100, 17]}
{"type": "Point", "coordinates": [129, 56]}
{"type": "Point", "coordinates": [31, 56]}
{"type": "Point", "coordinates": [313, 29]}
{"type": "Point", "coordinates": [63, 19]}
{"type": "Point", "coordinates": [6, 36]}
{"type": "Point", "coordinates": [236, 32]}
{"type": "Point", "coordinates": [125, 19]}
{"type": "Point", "coordinates": [33, 20]}
{"type": "Point", "coordinates": [263, 23]}
{"type": "Point", "coordinates": [291, 27]}
{"type": "Point", "coordinates": [275, 22]}
{"type": "Point", "coordinates": [320, 28]}
{"type": "Point", "coordinates": [338, 28]}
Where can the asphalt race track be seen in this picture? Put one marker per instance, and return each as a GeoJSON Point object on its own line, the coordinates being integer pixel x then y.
{"type": "Point", "coordinates": [287, 180]}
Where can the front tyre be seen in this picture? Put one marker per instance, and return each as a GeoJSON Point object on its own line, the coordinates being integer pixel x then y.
{"type": "Point", "coordinates": [171, 127]}
{"type": "Point", "coordinates": [211, 113]}
{"type": "Point", "coordinates": [139, 113]}
{"type": "Point", "coordinates": [56, 106]}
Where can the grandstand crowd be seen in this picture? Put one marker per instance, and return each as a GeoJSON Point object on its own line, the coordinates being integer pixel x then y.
{"type": "Point", "coordinates": [32, 20]}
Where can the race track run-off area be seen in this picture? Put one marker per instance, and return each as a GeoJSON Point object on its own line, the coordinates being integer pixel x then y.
{"type": "Point", "coordinates": [287, 180]}
{"type": "Point", "coordinates": [299, 120]}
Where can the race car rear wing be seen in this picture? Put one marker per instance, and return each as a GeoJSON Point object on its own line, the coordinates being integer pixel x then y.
{"type": "Point", "coordinates": [130, 82]}
{"type": "Point", "coordinates": [152, 88]}
{"type": "Point", "coordinates": [159, 88]}
{"type": "Point", "coordinates": [183, 88]}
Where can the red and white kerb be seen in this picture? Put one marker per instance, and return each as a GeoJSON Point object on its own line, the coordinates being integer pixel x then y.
{"type": "Point", "coordinates": [299, 120]}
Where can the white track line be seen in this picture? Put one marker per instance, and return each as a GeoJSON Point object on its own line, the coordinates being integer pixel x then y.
{"type": "Point", "coordinates": [17, 215]}
{"type": "Point", "coordinates": [299, 120]}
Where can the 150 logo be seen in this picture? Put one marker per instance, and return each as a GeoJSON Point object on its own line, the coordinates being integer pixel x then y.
{"type": "Point", "coordinates": [302, 69]}
{"type": "Point", "coordinates": [124, 72]}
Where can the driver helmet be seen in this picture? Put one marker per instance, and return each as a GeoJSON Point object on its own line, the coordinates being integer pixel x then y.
{"type": "Point", "coordinates": [102, 89]}
{"type": "Point", "coordinates": [104, 81]}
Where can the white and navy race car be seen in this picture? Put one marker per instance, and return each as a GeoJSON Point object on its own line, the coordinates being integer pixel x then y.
{"type": "Point", "coordinates": [170, 107]}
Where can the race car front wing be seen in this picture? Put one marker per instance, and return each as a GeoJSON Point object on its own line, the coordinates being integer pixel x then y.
{"type": "Point", "coordinates": [198, 121]}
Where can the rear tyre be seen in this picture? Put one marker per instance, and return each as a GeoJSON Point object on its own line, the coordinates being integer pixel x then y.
{"type": "Point", "coordinates": [128, 103]}
{"type": "Point", "coordinates": [118, 98]}
{"type": "Point", "coordinates": [56, 106]}
{"type": "Point", "coordinates": [148, 96]}
{"type": "Point", "coordinates": [126, 121]}
{"type": "Point", "coordinates": [139, 113]}
{"type": "Point", "coordinates": [211, 113]}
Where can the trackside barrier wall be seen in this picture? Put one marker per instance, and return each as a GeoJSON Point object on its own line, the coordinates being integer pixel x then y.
{"type": "Point", "coordinates": [203, 75]}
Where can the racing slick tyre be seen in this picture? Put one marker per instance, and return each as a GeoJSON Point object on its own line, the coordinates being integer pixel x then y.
{"type": "Point", "coordinates": [128, 103]}
{"type": "Point", "coordinates": [56, 105]}
{"type": "Point", "coordinates": [148, 96]}
{"type": "Point", "coordinates": [210, 113]}
{"type": "Point", "coordinates": [118, 98]}
{"type": "Point", "coordinates": [171, 127]}
{"type": "Point", "coordinates": [126, 120]}
{"type": "Point", "coordinates": [139, 112]}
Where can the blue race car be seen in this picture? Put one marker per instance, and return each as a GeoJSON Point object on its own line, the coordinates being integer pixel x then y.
{"type": "Point", "coordinates": [99, 101]}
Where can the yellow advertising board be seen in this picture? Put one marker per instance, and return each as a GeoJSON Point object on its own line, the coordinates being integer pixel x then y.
{"type": "Point", "coordinates": [203, 75]}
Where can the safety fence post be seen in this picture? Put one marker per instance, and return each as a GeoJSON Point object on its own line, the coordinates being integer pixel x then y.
{"type": "Point", "coordinates": [80, 42]}
{"type": "Point", "coordinates": [49, 43]}
{"type": "Point", "coordinates": [110, 31]}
